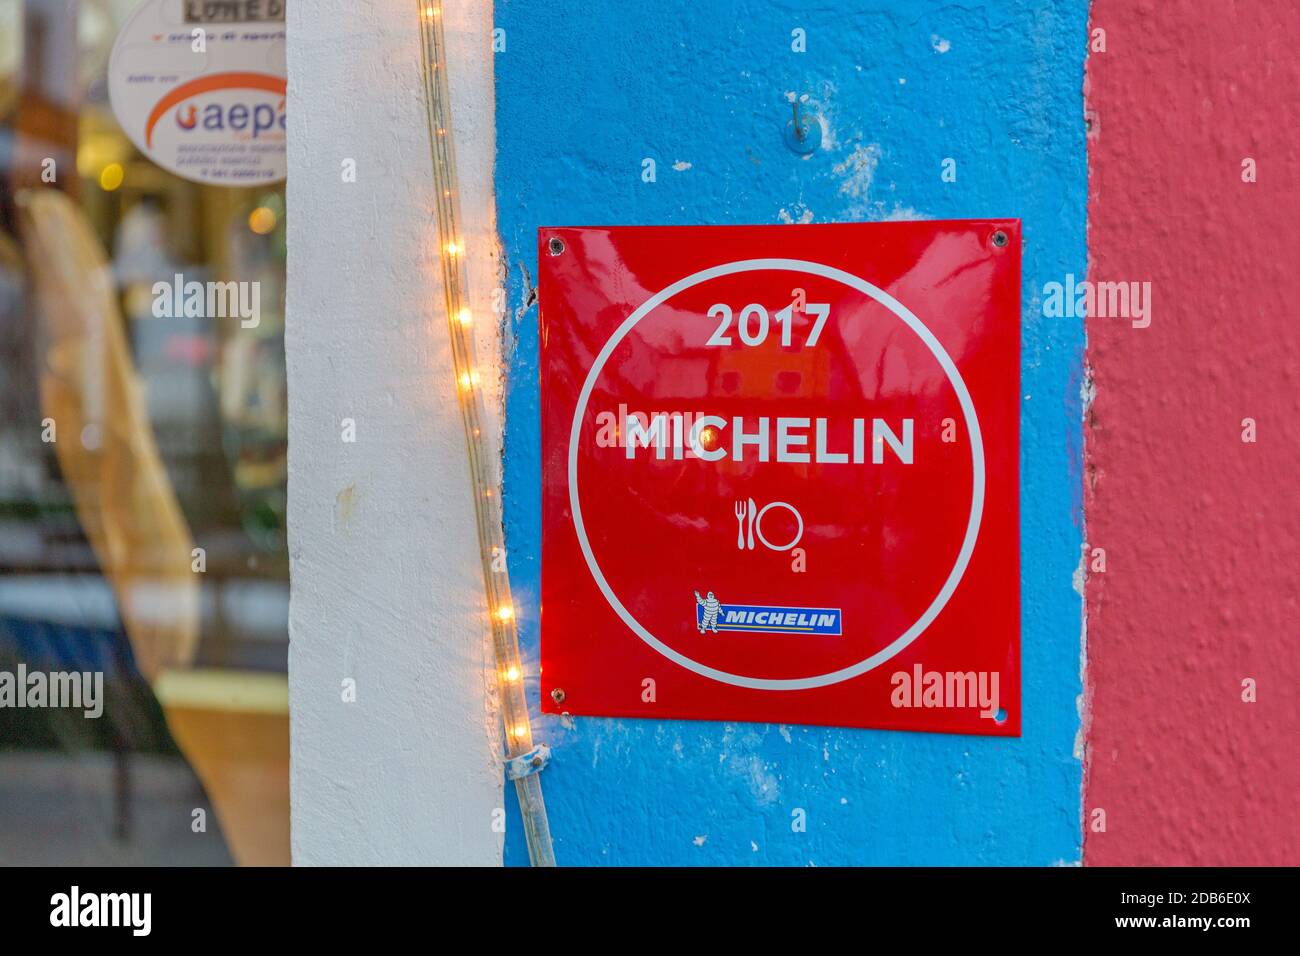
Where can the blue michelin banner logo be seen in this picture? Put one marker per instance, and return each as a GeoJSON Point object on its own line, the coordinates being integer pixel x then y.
{"type": "Point", "coordinates": [765, 619]}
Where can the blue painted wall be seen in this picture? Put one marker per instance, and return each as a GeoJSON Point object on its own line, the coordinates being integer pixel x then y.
{"type": "Point", "coordinates": [584, 92]}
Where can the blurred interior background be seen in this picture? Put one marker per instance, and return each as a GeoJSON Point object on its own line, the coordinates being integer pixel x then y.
{"type": "Point", "coordinates": [166, 453]}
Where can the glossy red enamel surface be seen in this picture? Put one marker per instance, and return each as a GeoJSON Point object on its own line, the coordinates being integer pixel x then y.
{"type": "Point", "coordinates": [837, 466]}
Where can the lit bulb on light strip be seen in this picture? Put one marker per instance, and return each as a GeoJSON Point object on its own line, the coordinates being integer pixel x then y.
{"type": "Point", "coordinates": [505, 613]}
{"type": "Point", "coordinates": [466, 317]}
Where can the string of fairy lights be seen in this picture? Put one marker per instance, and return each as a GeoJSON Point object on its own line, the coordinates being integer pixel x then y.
{"type": "Point", "coordinates": [483, 473]}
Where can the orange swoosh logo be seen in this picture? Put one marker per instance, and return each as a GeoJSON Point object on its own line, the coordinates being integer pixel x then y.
{"type": "Point", "coordinates": [206, 84]}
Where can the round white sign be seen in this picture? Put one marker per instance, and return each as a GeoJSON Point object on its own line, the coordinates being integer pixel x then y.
{"type": "Point", "coordinates": [203, 98]}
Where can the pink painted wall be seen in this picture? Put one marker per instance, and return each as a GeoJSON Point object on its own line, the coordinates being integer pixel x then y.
{"type": "Point", "coordinates": [1201, 531]}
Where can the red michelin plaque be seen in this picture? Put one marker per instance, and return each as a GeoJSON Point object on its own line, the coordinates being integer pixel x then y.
{"type": "Point", "coordinates": [780, 473]}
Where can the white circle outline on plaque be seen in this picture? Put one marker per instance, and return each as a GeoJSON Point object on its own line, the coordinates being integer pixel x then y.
{"type": "Point", "coordinates": [758, 525]}
{"type": "Point", "coordinates": [977, 477]}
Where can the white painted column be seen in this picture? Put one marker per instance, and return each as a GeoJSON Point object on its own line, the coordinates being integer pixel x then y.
{"type": "Point", "coordinates": [386, 583]}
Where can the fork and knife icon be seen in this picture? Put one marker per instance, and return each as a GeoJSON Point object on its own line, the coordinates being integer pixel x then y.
{"type": "Point", "coordinates": [742, 510]}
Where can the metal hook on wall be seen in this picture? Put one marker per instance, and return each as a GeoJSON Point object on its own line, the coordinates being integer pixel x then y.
{"type": "Point", "coordinates": [803, 133]}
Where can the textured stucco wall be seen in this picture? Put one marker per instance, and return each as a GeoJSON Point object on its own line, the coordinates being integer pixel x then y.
{"type": "Point", "coordinates": [586, 91]}
{"type": "Point", "coordinates": [1201, 530]}
{"type": "Point", "coordinates": [387, 588]}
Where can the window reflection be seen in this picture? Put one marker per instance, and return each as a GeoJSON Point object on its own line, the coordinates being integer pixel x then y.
{"type": "Point", "coordinates": [142, 479]}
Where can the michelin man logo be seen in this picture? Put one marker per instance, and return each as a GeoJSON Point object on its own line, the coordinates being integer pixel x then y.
{"type": "Point", "coordinates": [709, 620]}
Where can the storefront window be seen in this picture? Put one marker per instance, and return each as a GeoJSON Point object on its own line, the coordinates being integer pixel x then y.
{"type": "Point", "coordinates": [142, 478]}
